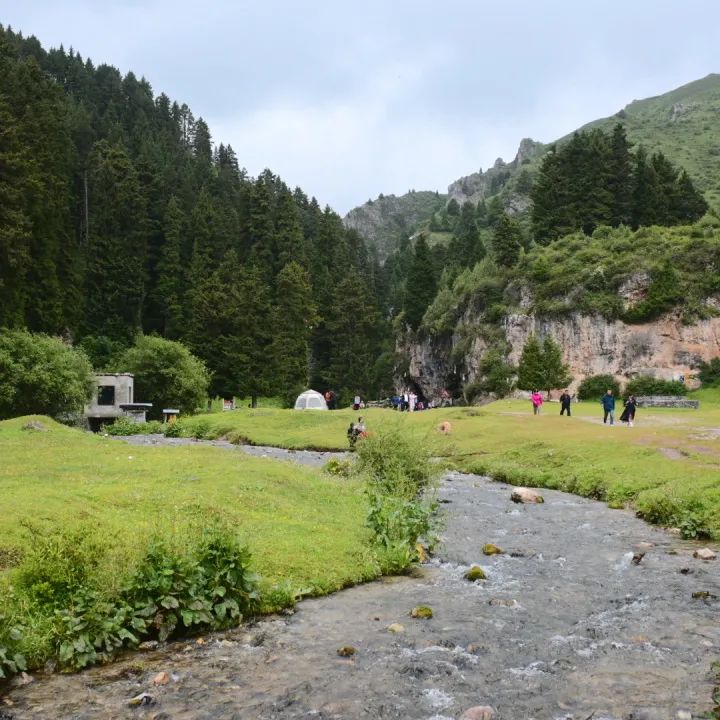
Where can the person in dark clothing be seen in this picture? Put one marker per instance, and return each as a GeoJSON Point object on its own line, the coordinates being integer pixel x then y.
{"type": "Point", "coordinates": [628, 414]}
{"type": "Point", "coordinates": [565, 401]}
{"type": "Point", "coordinates": [608, 403]}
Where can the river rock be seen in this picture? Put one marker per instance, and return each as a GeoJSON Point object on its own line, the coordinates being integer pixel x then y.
{"type": "Point", "coordinates": [162, 678]}
{"type": "Point", "coordinates": [23, 679]}
{"type": "Point", "coordinates": [526, 495]}
{"type": "Point", "coordinates": [704, 554]}
{"type": "Point", "coordinates": [475, 573]}
{"type": "Point", "coordinates": [346, 651]}
{"type": "Point", "coordinates": [637, 558]}
{"type": "Point", "coordinates": [141, 699]}
{"type": "Point", "coordinates": [490, 549]}
{"type": "Point", "coordinates": [149, 645]}
{"type": "Point", "coordinates": [479, 712]}
{"type": "Point", "coordinates": [396, 628]}
{"type": "Point", "coordinates": [422, 612]}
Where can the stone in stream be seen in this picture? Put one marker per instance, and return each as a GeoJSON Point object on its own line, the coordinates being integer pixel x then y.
{"type": "Point", "coordinates": [141, 699]}
{"type": "Point", "coordinates": [637, 558]}
{"type": "Point", "coordinates": [162, 678]}
{"type": "Point", "coordinates": [346, 651]}
{"type": "Point", "coordinates": [475, 573]}
{"type": "Point", "coordinates": [396, 628]}
{"type": "Point", "coordinates": [490, 549]}
{"type": "Point", "coordinates": [149, 645]}
{"type": "Point", "coordinates": [479, 712]}
{"type": "Point", "coordinates": [704, 554]}
{"type": "Point", "coordinates": [526, 495]}
{"type": "Point", "coordinates": [422, 612]}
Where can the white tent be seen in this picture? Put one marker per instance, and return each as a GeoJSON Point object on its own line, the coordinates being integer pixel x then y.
{"type": "Point", "coordinates": [310, 400]}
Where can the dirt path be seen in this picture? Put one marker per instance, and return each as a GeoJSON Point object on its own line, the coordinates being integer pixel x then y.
{"type": "Point", "coordinates": [566, 627]}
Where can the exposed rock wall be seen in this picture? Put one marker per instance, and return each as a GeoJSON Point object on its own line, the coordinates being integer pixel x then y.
{"type": "Point", "coordinates": [591, 345]}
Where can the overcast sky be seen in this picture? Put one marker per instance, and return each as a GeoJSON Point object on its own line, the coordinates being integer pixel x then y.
{"type": "Point", "coordinates": [351, 99]}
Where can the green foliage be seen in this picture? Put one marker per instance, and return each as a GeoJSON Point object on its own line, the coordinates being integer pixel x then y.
{"type": "Point", "coordinates": [421, 287]}
{"type": "Point", "coordinates": [400, 479]}
{"type": "Point", "coordinates": [594, 387]}
{"type": "Point", "coordinates": [41, 375]}
{"type": "Point", "coordinates": [664, 293]}
{"type": "Point", "coordinates": [709, 373]}
{"type": "Point", "coordinates": [648, 385]}
{"type": "Point", "coordinates": [495, 376]}
{"type": "Point", "coordinates": [506, 241]}
{"type": "Point", "coordinates": [124, 427]}
{"type": "Point", "coordinates": [541, 367]}
{"type": "Point", "coordinates": [166, 374]}
{"type": "Point", "coordinates": [594, 179]}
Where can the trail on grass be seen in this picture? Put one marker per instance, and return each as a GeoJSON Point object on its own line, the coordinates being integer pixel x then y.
{"type": "Point", "coordinates": [571, 622]}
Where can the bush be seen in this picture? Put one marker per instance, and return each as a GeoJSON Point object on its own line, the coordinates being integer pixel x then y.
{"type": "Point", "coordinates": [648, 385]}
{"type": "Point", "coordinates": [124, 426]}
{"type": "Point", "coordinates": [77, 617]}
{"type": "Point", "coordinates": [594, 387]}
{"type": "Point", "coordinates": [710, 372]}
{"type": "Point", "coordinates": [41, 375]}
{"type": "Point", "coordinates": [167, 374]}
{"type": "Point", "coordinates": [399, 476]}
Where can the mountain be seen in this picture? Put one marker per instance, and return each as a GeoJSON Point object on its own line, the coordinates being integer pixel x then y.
{"type": "Point", "coordinates": [386, 221]}
{"type": "Point", "coordinates": [683, 124]}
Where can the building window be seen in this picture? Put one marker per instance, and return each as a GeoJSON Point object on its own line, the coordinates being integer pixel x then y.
{"type": "Point", "coordinates": [106, 395]}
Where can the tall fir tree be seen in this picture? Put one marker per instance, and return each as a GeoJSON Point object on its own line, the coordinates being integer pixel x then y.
{"type": "Point", "coordinates": [506, 241]}
{"type": "Point", "coordinates": [421, 286]}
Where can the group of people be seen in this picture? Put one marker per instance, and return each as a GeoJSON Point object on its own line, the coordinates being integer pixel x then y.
{"type": "Point", "coordinates": [608, 403]}
{"type": "Point", "coordinates": [628, 413]}
{"type": "Point", "coordinates": [331, 399]}
{"type": "Point", "coordinates": [408, 401]}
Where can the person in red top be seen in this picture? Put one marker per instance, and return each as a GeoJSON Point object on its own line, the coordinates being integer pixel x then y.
{"type": "Point", "coordinates": [537, 401]}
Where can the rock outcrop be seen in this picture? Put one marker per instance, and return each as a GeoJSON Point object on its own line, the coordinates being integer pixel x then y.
{"type": "Point", "coordinates": [591, 344]}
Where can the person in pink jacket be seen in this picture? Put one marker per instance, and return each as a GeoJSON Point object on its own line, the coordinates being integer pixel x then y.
{"type": "Point", "coordinates": [537, 401]}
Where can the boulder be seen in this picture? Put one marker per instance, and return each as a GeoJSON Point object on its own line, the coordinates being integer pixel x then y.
{"type": "Point", "coordinates": [490, 549]}
{"type": "Point", "coordinates": [396, 628]}
{"type": "Point", "coordinates": [526, 495]}
{"type": "Point", "coordinates": [422, 612]}
{"type": "Point", "coordinates": [346, 651]}
{"type": "Point", "coordinates": [162, 678]}
{"type": "Point", "coordinates": [475, 573]}
{"type": "Point", "coordinates": [479, 712]}
{"type": "Point", "coordinates": [704, 554]}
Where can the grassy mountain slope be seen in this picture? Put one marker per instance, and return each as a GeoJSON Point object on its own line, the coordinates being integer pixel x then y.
{"type": "Point", "coordinates": [385, 221]}
{"type": "Point", "coordinates": [684, 124]}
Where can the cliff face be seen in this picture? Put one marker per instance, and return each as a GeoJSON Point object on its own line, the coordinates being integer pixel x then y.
{"type": "Point", "coordinates": [591, 345]}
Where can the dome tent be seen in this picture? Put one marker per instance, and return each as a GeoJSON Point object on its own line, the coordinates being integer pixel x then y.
{"type": "Point", "coordinates": [310, 400]}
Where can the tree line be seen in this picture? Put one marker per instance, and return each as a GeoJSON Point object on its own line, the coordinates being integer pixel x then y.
{"type": "Point", "coordinates": [119, 215]}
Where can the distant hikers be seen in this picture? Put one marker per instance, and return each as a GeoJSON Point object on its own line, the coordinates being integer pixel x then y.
{"type": "Point", "coordinates": [565, 400]}
{"type": "Point", "coordinates": [537, 400]}
{"type": "Point", "coordinates": [608, 403]}
{"type": "Point", "coordinates": [628, 413]}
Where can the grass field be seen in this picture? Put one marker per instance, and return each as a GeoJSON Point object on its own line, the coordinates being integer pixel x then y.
{"type": "Point", "coordinates": [667, 466]}
{"type": "Point", "coordinates": [302, 526]}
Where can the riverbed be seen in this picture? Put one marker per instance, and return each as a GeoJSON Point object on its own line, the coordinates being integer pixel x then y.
{"type": "Point", "coordinates": [588, 613]}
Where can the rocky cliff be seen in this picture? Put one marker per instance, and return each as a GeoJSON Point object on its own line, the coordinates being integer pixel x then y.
{"type": "Point", "coordinates": [592, 345]}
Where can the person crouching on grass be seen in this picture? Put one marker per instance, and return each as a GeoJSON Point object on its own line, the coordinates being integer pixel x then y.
{"type": "Point", "coordinates": [537, 401]}
{"type": "Point", "coordinates": [628, 414]}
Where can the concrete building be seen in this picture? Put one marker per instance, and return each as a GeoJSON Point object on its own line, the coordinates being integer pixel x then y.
{"type": "Point", "coordinates": [113, 398]}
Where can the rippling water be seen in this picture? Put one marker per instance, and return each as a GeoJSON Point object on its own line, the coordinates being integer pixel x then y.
{"type": "Point", "coordinates": [565, 627]}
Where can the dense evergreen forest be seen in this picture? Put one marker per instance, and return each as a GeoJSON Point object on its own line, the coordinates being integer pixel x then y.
{"type": "Point", "coordinates": [120, 215]}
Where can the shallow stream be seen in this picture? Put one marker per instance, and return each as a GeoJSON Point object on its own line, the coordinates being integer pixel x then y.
{"type": "Point", "coordinates": [567, 626]}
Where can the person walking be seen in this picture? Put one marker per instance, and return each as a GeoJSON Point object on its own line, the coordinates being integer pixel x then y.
{"type": "Point", "coordinates": [537, 401]}
{"type": "Point", "coordinates": [628, 414]}
{"type": "Point", "coordinates": [608, 403]}
{"type": "Point", "coordinates": [565, 401]}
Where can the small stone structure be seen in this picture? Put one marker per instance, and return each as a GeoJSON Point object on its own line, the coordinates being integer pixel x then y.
{"type": "Point", "coordinates": [113, 398]}
{"type": "Point", "coordinates": [667, 401]}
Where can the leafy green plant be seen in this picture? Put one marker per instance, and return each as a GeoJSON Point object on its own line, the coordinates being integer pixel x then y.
{"type": "Point", "coordinates": [648, 385]}
{"type": "Point", "coordinates": [594, 387]}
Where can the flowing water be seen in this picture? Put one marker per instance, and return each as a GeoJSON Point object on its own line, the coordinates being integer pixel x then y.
{"type": "Point", "coordinates": [567, 626]}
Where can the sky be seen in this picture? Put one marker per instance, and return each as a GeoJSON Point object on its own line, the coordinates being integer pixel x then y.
{"type": "Point", "coordinates": [352, 99]}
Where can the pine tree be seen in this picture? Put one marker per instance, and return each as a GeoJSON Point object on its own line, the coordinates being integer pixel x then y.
{"type": "Point", "coordinates": [466, 247]}
{"type": "Point", "coordinates": [295, 317]}
{"type": "Point", "coordinates": [620, 177]}
{"type": "Point", "coordinates": [506, 242]}
{"type": "Point", "coordinates": [171, 277]}
{"type": "Point", "coordinates": [421, 286]}
{"type": "Point", "coordinates": [645, 191]}
{"type": "Point", "coordinates": [556, 374]}
{"type": "Point", "coordinates": [530, 367]}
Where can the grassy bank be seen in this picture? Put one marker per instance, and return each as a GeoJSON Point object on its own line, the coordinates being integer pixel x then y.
{"type": "Point", "coordinates": [114, 503]}
{"type": "Point", "coordinates": [667, 466]}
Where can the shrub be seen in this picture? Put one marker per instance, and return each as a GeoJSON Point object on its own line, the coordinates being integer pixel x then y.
{"type": "Point", "coordinates": [167, 374]}
{"type": "Point", "coordinates": [710, 372]}
{"type": "Point", "coordinates": [399, 477]}
{"type": "Point", "coordinates": [648, 385]}
{"type": "Point", "coordinates": [594, 387]}
{"type": "Point", "coordinates": [41, 375]}
{"type": "Point", "coordinates": [124, 426]}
